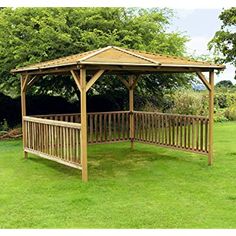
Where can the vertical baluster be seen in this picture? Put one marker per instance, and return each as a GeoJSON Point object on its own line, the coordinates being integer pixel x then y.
{"type": "Point", "coordinates": [114, 126]}
{"type": "Point", "coordinates": [185, 132]}
{"type": "Point", "coordinates": [177, 131]}
{"type": "Point", "coordinates": [193, 133]}
{"type": "Point", "coordinates": [96, 128]}
{"type": "Point", "coordinates": [77, 134]}
{"type": "Point", "coordinates": [118, 124]}
{"type": "Point", "coordinates": [189, 133]}
{"type": "Point", "coordinates": [162, 128]}
{"type": "Point", "coordinates": [122, 126]}
{"type": "Point", "coordinates": [71, 145]}
{"type": "Point", "coordinates": [197, 133]}
{"type": "Point", "coordinates": [201, 135]}
{"type": "Point", "coordinates": [206, 135]}
{"type": "Point", "coordinates": [166, 130]}
{"type": "Point", "coordinates": [109, 126]}
{"type": "Point", "coordinates": [143, 127]}
{"type": "Point", "coordinates": [158, 128]}
{"type": "Point", "coordinates": [169, 129]}
{"type": "Point", "coordinates": [148, 128]}
{"type": "Point", "coordinates": [173, 131]}
{"type": "Point", "coordinates": [91, 127]}
{"type": "Point", "coordinates": [105, 127]}
{"type": "Point", "coordinates": [181, 131]}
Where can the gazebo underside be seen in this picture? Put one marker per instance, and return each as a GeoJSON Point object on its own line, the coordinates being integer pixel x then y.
{"type": "Point", "coordinates": [64, 137]}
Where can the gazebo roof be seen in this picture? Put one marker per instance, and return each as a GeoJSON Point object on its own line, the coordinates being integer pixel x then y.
{"type": "Point", "coordinates": [116, 56]}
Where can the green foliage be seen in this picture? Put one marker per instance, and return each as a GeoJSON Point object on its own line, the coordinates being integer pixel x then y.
{"type": "Point", "coordinates": [4, 125]}
{"type": "Point", "coordinates": [29, 35]}
{"type": "Point", "coordinates": [189, 102]}
{"type": "Point", "coordinates": [224, 84]}
{"type": "Point", "coordinates": [230, 113]}
{"type": "Point", "coordinates": [224, 42]}
{"type": "Point", "coordinates": [224, 99]}
{"type": "Point", "coordinates": [219, 115]}
{"type": "Point", "coordinates": [149, 187]}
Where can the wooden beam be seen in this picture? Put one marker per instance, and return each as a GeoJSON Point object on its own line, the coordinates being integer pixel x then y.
{"type": "Point", "coordinates": [77, 79]}
{"type": "Point", "coordinates": [131, 109]}
{"type": "Point", "coordinates": [211, 117]}
{"type": "Point", "coordinates": [23, 110]}
{"type": "Point", "coordinates": [25, 80]}
{"type": "Point", "coordinates": [203, 79]}
{"type": "Point", "coordinates": [94, 79]}
{"type": "Point", "coordinates": [33, 80]}
{"type": "Point", "coordinates": [125, 82]}
{"type": "Point", "coordinates": [143, 69]}
{"type": "Point", "coordinates": [83, 137]}
{"type": "Point", "coordinates": [135, 81]}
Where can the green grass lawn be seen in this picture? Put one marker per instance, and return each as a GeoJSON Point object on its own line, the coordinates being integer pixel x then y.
{"type": "Point", "coordinates": [149, 187]}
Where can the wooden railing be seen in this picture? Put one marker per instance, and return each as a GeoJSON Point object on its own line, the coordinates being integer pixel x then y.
{"type": "Point", "coordinates": [103, 127]}
{"type": "Point", "coordinates": [55, 140]}
{"type": "Point", "coordinates": [184, 132]}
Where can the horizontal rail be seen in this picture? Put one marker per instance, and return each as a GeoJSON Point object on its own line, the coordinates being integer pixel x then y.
{"type": "Point", "coordinates": [52, 122]}
{"type": "Point", "coordinates": [51, 158]}
{"type": "Point", "coordinates": [170, 114]}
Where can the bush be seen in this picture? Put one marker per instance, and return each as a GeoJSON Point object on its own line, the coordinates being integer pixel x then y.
{"type": "Point", "coordinates": [230, 113]}
{"type": "Point", "coordinates": [189, 103]}
{"type": "Point", "coordinates": [219, 115]}
{"type": "Point", "coordinates": [4, 125]}
{"type": "Point", "coordinates": [224, 100]}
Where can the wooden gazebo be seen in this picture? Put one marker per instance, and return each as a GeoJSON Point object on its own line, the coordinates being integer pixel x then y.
{"type": "Point", "coordinates": [64, 137]}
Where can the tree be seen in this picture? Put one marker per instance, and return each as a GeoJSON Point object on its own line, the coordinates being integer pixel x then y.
{"type": "Point", "coordinates": [224, 42]}
{"type": "Point", "coordinates": [225, 84]}
{"type": "Point", "coordinates": [29, 35]}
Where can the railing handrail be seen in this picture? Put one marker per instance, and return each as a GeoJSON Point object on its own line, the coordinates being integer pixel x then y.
{"type": "Point", "coordinates": [52, 122]}
{"type": "Point", "coordinates": [74, 114]}
{"type": "Point", "coordinates": [172, 114]}
{"type": "Point", "coordinates": [117, 112]}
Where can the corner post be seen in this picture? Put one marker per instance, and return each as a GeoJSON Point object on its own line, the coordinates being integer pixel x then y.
{"type": "Point", "coordinates": [211, 117]}
{"type": "Point", "coordinates": [23, 110]}
{"type": "Point", "coordinates": [131, 110]}
{"type": "Point", "coordinates": [83, 137]}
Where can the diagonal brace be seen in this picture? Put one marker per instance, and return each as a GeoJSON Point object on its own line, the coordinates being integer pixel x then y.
{"type": "Point", "coordinates": [127, 84]}
{"type": "Point", "coordinates": [94, 79]}
{"type": "Point", "coordinates": [203, 79]}
{"type": "Point", "coordinates": [76, 78]}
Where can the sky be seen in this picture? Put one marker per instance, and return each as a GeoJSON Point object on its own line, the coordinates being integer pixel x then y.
{"type": "Point", "coordinates": [200, 26]}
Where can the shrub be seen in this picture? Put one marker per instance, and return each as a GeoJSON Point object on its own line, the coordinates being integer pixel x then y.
{"type": "Point", "coordinates": [224, 99]}
{"type": "Point", "coordinates": [4, 125]}
{"type": "Point", "coordinates": [230, 113]}
{"type": "Point", "coordinates": [219, 115]}
{"type": "Point", "coordinates": [189, 102]}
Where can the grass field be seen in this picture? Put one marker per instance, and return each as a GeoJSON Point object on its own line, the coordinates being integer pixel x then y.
{"type": "Point", "coordinates": [149, 187]}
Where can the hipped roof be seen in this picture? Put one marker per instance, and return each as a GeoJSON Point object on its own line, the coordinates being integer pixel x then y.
{"type": "Point", "coordinates": [116, 56]}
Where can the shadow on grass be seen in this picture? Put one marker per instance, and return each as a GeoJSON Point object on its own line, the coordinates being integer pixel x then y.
{"type": "Point", "coordinates": [60, 168]}
{"type": "Point", "coordinates": [111, 160]}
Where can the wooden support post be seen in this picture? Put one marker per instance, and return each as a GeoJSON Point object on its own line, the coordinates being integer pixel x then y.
{"type": "Point", "coordinates": [211, 118]}
{"type": "Point", "coordinates": [131, 110]}
{"type": "Point", "coordinates": [23, 109]}
{"type": "Point", "coordinates": [83, 139]}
